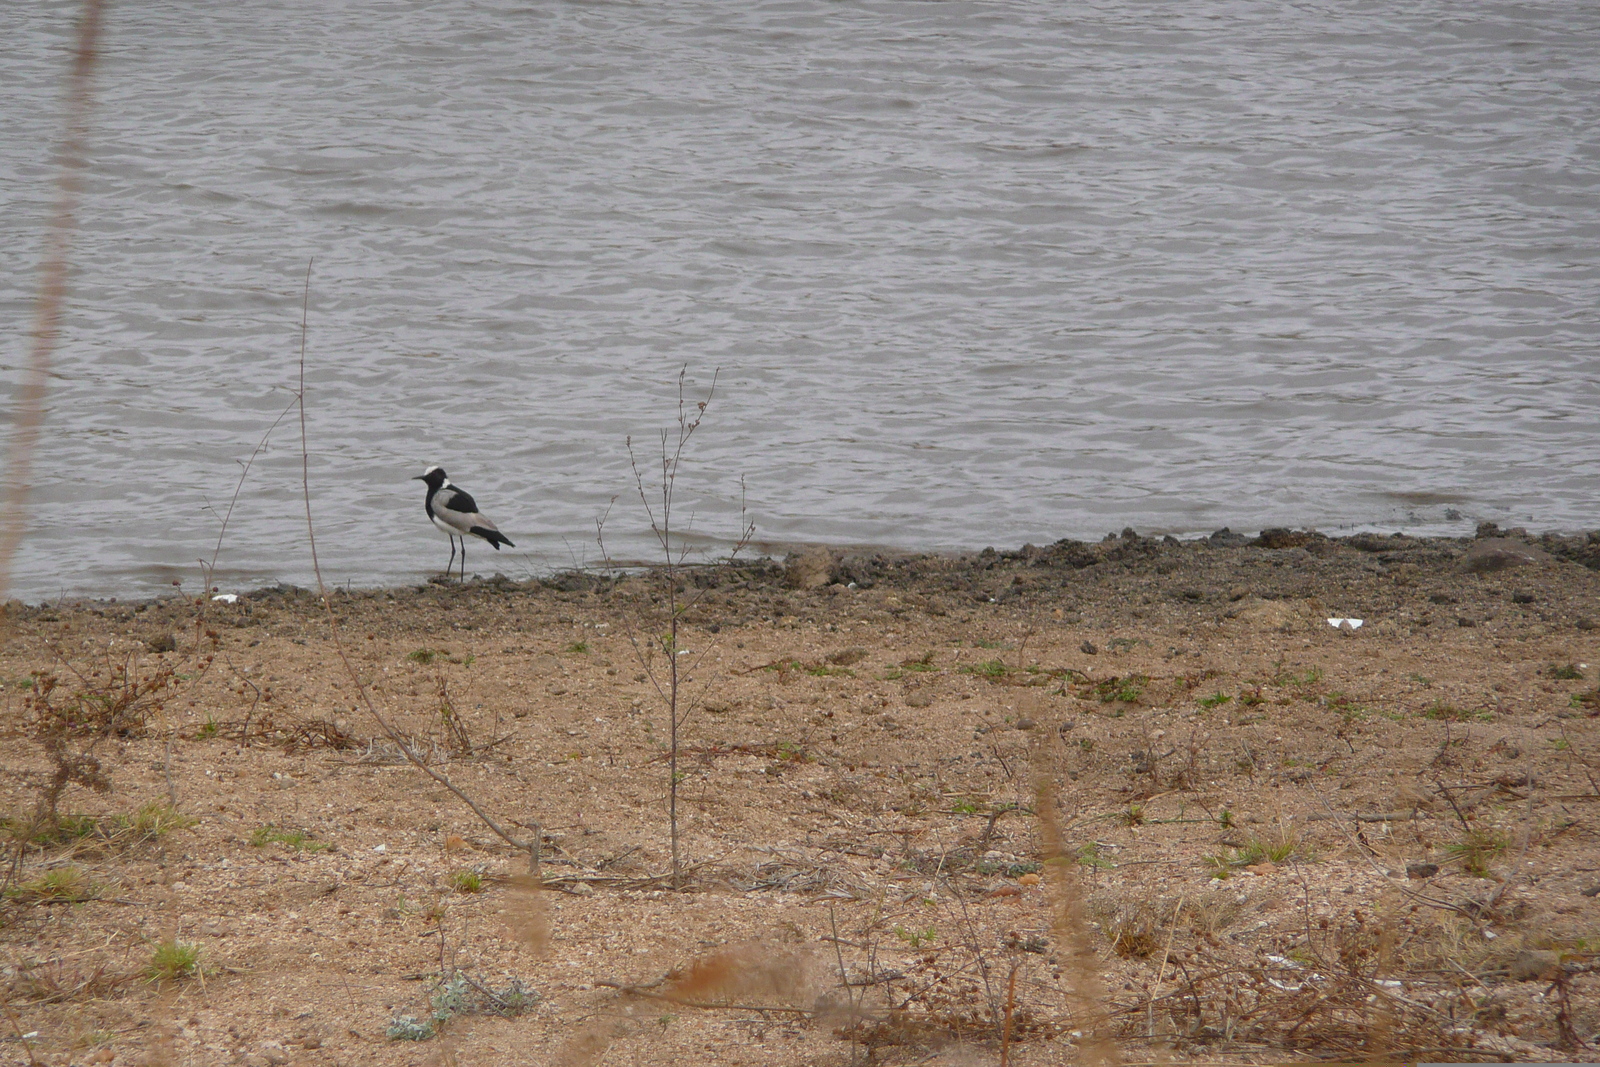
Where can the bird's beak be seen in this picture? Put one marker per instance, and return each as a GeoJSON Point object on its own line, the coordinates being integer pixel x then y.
{"type": "Point", "coordinates": [419, 478]}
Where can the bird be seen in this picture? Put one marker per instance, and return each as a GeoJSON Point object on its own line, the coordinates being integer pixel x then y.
{"type": "Point", "coordinates": [455, 513]}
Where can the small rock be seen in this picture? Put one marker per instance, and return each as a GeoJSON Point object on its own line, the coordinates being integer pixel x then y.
{"type": "Point", "coordinates": [1278, 537]}
{"type": "Point", "coordinates": [809, 569]}
{"type": "Point", "coordinates": [1028, 879]}
{"type": "Point", "coordinates": [1587, 623]}
{"type": "Point", "coordinates": [846, 657]}
{"type": "Point", "coordinates": [581, 889]}
{"type": "Point", "coordinates": [1492, 554]}
{"type": "Point", "coordinates": [1421, 870]}
{"type": "Point", "coordinates": [1464, 621]}
{"type": "Point", "coordinates": [1533, 963]}
{"type": "Point", "coordinates": [1025, 724]}
{"type": "Point", "coordinates": [919, 698]}
{"type": "Point", "coordinates": [1592, 891]}
{"type": "Point", "coordinates": [1226, 538]}
{"type": "Point", "coordinates": [1088, 649]}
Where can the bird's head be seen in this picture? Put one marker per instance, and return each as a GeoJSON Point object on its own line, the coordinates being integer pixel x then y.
{"type": "Point", "coordinates": [434, 476]}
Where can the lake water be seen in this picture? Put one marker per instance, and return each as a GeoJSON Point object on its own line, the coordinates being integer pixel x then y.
{"type": "Point", "coordinates": [973, 273]}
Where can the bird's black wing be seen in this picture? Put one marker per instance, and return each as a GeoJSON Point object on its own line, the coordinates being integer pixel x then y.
{"type": "Point", "coordinates": [457, 500]}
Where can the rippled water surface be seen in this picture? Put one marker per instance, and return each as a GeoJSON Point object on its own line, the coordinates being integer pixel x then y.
{"type": "Point", "coordinates": [973, 273]}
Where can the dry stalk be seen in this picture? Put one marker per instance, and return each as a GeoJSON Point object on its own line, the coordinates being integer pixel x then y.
{"type": "Point", "coordinates": [29, 414]}
{"type": "Point", "coordinates": [1078, 958]}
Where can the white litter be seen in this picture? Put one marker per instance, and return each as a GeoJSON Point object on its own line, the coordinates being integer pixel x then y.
{"type": "Point", "coordinates": [1346, 624]}
{"type": "Point", "coordinates": [227, 598]}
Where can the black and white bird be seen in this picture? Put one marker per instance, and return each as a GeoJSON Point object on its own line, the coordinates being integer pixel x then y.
{"type": "Point", "coordinates": [456, 514]}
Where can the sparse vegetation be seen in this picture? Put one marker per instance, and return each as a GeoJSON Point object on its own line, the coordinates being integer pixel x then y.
{"type": "Point", "coordinates": [1125, 690]}
{"type": "Point", "coordinates": [458, 995]}
{"type": "Point", "coordinates": [1476, 849]}
{"type": "Point", "coordinates": [59, 884]}
{"type": "Point", "coordinates": [173, 959]}
{"type": "Point", "coordinates": [297, 840]}
{"type": "Point", "coordinates": [1443, 711]}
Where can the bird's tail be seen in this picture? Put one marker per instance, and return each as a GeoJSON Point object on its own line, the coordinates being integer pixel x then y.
{"type": "Point", "coordinates": [494, 537]}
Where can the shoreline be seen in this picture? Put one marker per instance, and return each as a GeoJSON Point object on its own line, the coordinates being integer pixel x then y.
{"type": "Point", "coordinates": [1582, 547]}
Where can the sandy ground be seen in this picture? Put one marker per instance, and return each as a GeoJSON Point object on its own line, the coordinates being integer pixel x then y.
{"type": "Point", "coordinates": [1134, 799]}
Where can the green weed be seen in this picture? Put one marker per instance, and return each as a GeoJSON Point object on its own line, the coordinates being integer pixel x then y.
{"type": "Point", "coordinates": [1121, 690]}
{"type": "Point", "coordinates": [1215, 700]}
{"type": "Point", "coordinates": [1089, 856]}
{"type": "Point", "coordinates": [173, 959]}
{"type": "Point", "coordinates": [1440, 711]}
{"type": "Point", "coordinates": [62, 883]}
{"type": "Point", "coordinates": [467, 881]}
{"type": "Point", "coordinates": [1476, 849]}
{"type": "Point", "coordinates": [298, 840]}
{"type": "Point", "coordinates": [154, 821]}
{"type": "Point", "coordinates": [989, 669]}
{"type": "Point", "coordinates": [916, 938]}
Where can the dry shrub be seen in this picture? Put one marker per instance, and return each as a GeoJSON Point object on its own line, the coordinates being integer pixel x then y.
{"type": "Point", "coordinates": [70, 722]}
{"type": "Point", "coordinates": [1136, 929]}
{"type": "Point", "coordinates": [58, 982]}
{"type": "Point", "coordinates": [1338, 994]}
{"type": "Point", "coordinates": [957, 994]}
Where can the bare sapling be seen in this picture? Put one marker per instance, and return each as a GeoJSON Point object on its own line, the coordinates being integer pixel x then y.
{"type": "Point", "coordinates": [663, 639]}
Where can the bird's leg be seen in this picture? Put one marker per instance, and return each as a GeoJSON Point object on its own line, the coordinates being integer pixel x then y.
{"type": "Point", "coordinates": [451, 564]}
{"type": "Point", "coordinates": [463, 558]}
